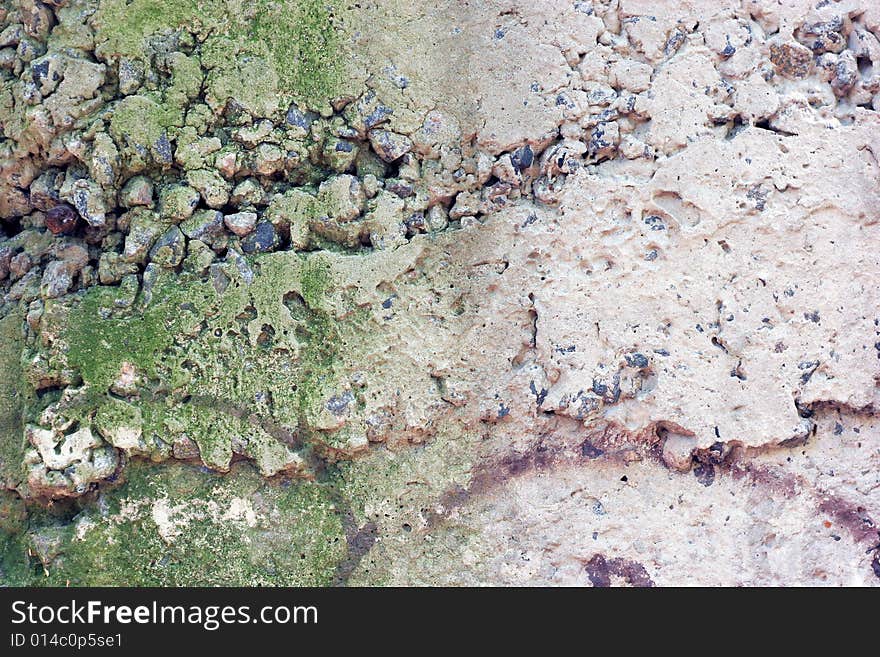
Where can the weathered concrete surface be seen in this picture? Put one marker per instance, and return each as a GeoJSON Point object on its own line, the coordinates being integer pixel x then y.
{"type": "Point", "coordinates": [574, 293]}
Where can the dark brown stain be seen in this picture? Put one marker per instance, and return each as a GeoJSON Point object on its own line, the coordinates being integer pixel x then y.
{"type": "Point", "coordinates": [852, 517]}
{"type": "Point", "coordinates": [360, 541]}
{"type": "Point", "coordinates": [704, 472]}
{"type": "Point", "coordinates": [590, 451]}
{"type": "Point", "coordinates": [776, 481]}
{"type": "Point", "coordinates": [563, 443]}
{"type": "Point", "coordinates": [557, 448]}
{"type": "Point", "coordinates": [455, 497]}
{"type": "Point", "coordinates": [600, 570]}
{"type": "Point", "coordinates": [496, 471]}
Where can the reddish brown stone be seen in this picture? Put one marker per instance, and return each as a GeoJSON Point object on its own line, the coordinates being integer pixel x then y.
{"type": "Point", "coordinates": [62, 219]}
{"type": "Point", "coordinates": [791, 60]}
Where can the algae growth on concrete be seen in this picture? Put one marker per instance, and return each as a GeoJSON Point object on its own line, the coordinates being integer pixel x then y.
{"type": "Point", "coordinates": [294, 42]}
{"type": "Point", "coordinates": [183, 527]}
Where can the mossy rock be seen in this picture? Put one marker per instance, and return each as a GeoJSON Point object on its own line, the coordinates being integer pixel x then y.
{"type": "Point", "coordinates": [180, 526]}
{"type": "Point", "coordinates": [269, 347]}
{"type": "Point", "coordinates": [296, 41]}
{"type": "Point", "coordinates": [12, 400]}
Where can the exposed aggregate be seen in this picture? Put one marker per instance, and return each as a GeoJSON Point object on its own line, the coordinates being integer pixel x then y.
{"type": "Point", "coordinates": [213, 250]}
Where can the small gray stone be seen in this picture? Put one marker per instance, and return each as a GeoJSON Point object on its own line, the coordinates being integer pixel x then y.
{"type": "Point", "coordinates": [290, 214]}
{"type": "Point", "coordinates": [151, 275]}
{"type": "Point", "coordinates": [7, 58]}
{"type": "Point", "coordinates": [264, 238]}
{"type": "Point", "coordinates": [178, 202]}
{"type": "Point", "coordinates": [371, 185]}
{"type": "Point", "coordinates": [5, 259]}
{"type": "Point", "coordinates": [211, 185]}
{"type": "Point", "coordinates": [367, 113]}
{"type": "Point", "coordinates": [57, 279]}
{"type": "Point", "coordinates": [402, 188]}
{"type": "Point", "coordinates": [296, 118]}
{"type": "Point", "coordinates": [29, 49]}
{"type": "Point", "coordinates": [76, 256]}
{"type": "Point", "coordinates": [103, 161]}
{"type": "Point", "coordinates": [170, 249]}
{"type": "Point", "coordinates": [12, 35]}
{"type": "Point", "coordinates": [127, 291]}
{"type": "Point", "coordinates": [389, 145]}
{"type": "Point", "coordinates": [88, 277]}
{"type": "Point", "coordinates": [162, 150]}
{"type": "Point", "coordinates": [341, 198]}
{"type": "Point", "coordinates": [340, 154]}
{"type": "Point", "coordinates": [436, 218]}
{"type": "Point", "coordinates": [467, 204]}
{"type": "Point", "coordinates": [44, 190]}
{"type": "Point", "coordinates": [112, 267]}
{"type": "Point", "coordinates": [219, 279]}
{"type": "Point", "coordinates": [205, 225]}
{"type": "Point", "coordinates": [131, 75]}
{"type": "Point", "coordinates": [144, 229]}
{"type": "Point", "coordinates": [27, 288]}
{"type": "Point", "coordinates": [185, 448]}
{"type": "Point", "coordinates": [254, 134]}
{"type": "Point", "coordinates": [227, 161]}
{"type": "Point", "coordinates": [338, 404]}
{"type": "Point", "coordinates": [19, 265]}
{"type": "Point", "coordinates": [199, 257]}
{"type": "Point", "coordinates": [248, 192]}
{"type": "Point", "coordinates": [268, 159]}
{"type": "Point", "coordinates": [88, 199]}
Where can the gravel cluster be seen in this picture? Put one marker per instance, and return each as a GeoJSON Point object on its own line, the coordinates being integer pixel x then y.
{"type": "Point", "coordinates": [94, 189]}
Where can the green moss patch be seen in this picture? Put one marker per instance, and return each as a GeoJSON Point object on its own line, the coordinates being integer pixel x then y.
{"type": "Point", "coordinates": [177, 526]}
{"type": "Point", "coordinates": [99, 342]}
{"type": "Point", "coordinates": [12, 390]}
{"type": "Point", "coordinates": [297, 38]}
{"type": "Point", "coordinates": [203, 361]}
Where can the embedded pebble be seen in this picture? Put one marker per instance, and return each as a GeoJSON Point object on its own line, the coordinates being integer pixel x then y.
{"type": "Point", "coordinates": [241, 223]}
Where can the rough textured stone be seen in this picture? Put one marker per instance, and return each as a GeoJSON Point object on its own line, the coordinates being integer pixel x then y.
{"type": "Point", "coordinates": [262, 237]}
{"type": "Point", "coordinates": [241, 223]}
{"type": "Point", "coordinates": [390, 146]}
{"type": "Point", "coordinates": [548, 293]}
{"type": "Point", "coordinates": [178, 202]}
{"type": "Point", "coordinates": [205, 225]}
{"type": "Point", "coordinates": [61, 219]}
{"type": "Point", "coordinates": [137, 191]}
{"type": "Point", "coordinates": [169, 249]}
{"type": "Point", "coordinates": [210, 184]}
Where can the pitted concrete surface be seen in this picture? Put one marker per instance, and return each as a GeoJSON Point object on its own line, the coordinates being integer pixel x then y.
{"type": "Point", "coordinates": [542, 293]}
